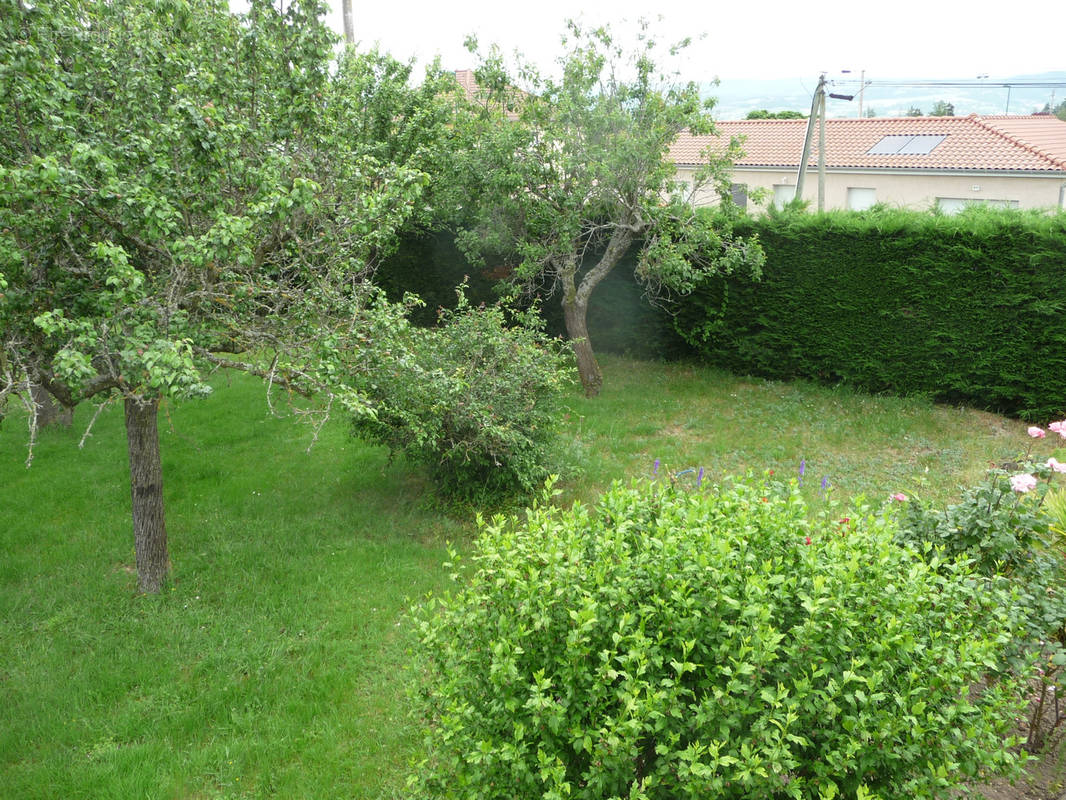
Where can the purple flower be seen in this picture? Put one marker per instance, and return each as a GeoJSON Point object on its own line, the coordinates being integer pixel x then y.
{"type": "Point", "coordinates": [699, 478]}
{"type": "Point", "coordinates": [825, 482]}
{"type": "Point", "coordinates": [655, 467]}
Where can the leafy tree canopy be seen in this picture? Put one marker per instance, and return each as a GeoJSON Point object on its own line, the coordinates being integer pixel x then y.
{"type": "Point", "coordinates": [580, 172]}
{"type": "Point", "coordinates": [1058, 110]}
{"type": "Point", "coordinates": [762, 113]}
{"type": "Point", "coordinates": [183, 189]}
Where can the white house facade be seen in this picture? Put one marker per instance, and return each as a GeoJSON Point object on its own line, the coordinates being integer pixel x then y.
{"type": "Point", "coordinates": [911, 162]}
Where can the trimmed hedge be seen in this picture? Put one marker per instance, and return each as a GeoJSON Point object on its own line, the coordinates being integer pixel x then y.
{"type": "Point", "coordinates": [621, 320]}
{"type": "Point", "coordinates": [430, 265]}
{"type": "Point", "coordinates": [965, 309]}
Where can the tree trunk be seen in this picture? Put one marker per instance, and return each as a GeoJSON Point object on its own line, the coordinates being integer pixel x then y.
{"type": "Point", "coordinates": [146, 488]}
{"type": "Point", "coordinates": [49, 410]}
{"type": "Point", "coordinates": [576, 304]}
{"type": "Point", "coordinates": [574, 313]}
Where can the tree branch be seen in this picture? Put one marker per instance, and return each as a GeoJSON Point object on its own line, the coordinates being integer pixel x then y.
{"type": "Point", "coordinates": [121, 230]}
{"type": "Point", "coordinates": [61, 392]}
{"type": "Point", "coordinates": [270, 375]}
{"type": "Point", "coordinates": [621, 238]}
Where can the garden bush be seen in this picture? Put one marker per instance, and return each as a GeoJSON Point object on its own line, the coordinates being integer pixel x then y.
{"type": "Point", "coordinates": [476, 399]}
{"type": "Point", "coordinates": [1005, 528]}
{"type": "Point", "coordinates": [723, 643]}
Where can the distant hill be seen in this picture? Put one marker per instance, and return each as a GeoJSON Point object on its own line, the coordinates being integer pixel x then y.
{"type": "Point", "coordinates": [737, 97]}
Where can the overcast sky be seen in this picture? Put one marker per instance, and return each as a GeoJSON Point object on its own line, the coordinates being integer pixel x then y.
{"type": "Point", "coordinates": [931, 39]}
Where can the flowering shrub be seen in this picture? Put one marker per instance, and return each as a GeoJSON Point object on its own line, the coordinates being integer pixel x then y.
{"type": "Point", "coordinates": [1003, 528]}
{"type": "Point", "coordinates": [994, 524]}
{"type": "Point", "coordinates": [716, 643]}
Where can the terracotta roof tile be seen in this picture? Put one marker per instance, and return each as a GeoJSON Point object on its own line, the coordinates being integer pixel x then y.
{"type": "Point", "coordinates": [1040, 132]}
{"type": "Point", "coordinates": [1031, 143]}
{"type": "Point", "coordinates": [468, 83]}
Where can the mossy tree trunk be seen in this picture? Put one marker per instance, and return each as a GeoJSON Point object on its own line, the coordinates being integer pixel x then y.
{"type": "Point", "coordinates": [146, 488]}
{"type": "Point", "coordinates": [576, 304]}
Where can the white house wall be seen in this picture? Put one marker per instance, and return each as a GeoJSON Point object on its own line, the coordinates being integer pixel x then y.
{"type": "Point", "coordinates": [908, 190]}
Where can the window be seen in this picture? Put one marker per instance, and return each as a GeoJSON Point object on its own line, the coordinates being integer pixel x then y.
{"type": "Point", "coordinates": [739, 193]}
{"type": "Point", "coordinates": [906, 145]}
{"type": "Point", "coordinates": [784, 194]}
{"type": "Point", "coordinates": [860, 199]}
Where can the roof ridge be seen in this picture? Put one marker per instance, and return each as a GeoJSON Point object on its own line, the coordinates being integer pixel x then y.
{"type": "Point", "coordinates": [1059, 162]}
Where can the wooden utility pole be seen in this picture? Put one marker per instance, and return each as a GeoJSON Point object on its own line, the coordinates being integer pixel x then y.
{"type": "Point", "coordinates": [349, 25]}
{"type": "Point", "coordinates": [817, 103]}
{"type": "Point", "coordinates": [821, 153]}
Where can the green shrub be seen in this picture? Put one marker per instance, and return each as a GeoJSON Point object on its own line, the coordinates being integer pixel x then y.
{"type": "Point", "coordinates": [713, 644]}
{"type": "Point", "coordinates": [961, 309]}
{"type": "Point", "coordinates": [477, 399]}
{"type": "Point", "coordinates": [1007, 532]}
{"type": "Point", "coordinates": [1055, 502]}
{"type": "Point", "coordinates": [995, 527]}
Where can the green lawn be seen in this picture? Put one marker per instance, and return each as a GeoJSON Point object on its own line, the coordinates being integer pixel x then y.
{"type": "Point", "coordinates": [273, 666]}
{"type": "Point", "coordinates": [692, 416]}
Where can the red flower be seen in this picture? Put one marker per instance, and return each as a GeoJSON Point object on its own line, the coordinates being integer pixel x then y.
{"type": "Point", "coordinates": [806, 539]}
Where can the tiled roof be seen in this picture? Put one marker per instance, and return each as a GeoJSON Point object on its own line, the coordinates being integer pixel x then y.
{"type": "Point", "coordinates": [1038, 132]}
{"type": "Point", "coordinates": [1030, 143]}
{"type": "Point", "coordinates": [468, 83]}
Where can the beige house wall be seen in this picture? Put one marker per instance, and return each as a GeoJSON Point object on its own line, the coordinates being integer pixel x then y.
{"type": "Point", "coordinates": [908, 190]}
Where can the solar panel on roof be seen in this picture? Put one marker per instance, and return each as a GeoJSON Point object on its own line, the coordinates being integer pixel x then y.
{"type": "Point", "coordinates": [922, 145]}
{"type": "Point", "coordinates": [900, 144]}
{"type": "Point", "coordinates": [889, 145]}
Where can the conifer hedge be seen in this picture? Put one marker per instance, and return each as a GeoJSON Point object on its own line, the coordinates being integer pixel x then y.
{"type": "Point", "coordinates": [968, 308]}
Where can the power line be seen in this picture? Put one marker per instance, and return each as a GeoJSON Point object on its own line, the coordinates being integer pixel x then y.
{"type": "Point", "coordinates": [981, 82]}
{"type": "Point", "coordinates": [962, 84]}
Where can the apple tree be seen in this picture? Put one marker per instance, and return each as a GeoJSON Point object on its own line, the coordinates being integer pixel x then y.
{"type": "Point", "coordinates": [572, 171]}
{"type": "Point", "coordinates": [183, 189]}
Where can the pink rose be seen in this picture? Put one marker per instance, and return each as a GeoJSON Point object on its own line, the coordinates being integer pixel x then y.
{"type": "Point", "coordinates": [1036, 433]}
{"type": "Point", "coordinates": [1059, 428]}
{"type": "Point", "coordinates": [899, 497]}
{"type": "Point", "coordinates": [1022, 482]}
{"type": "Point", "coordinates": [1058, 466]}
